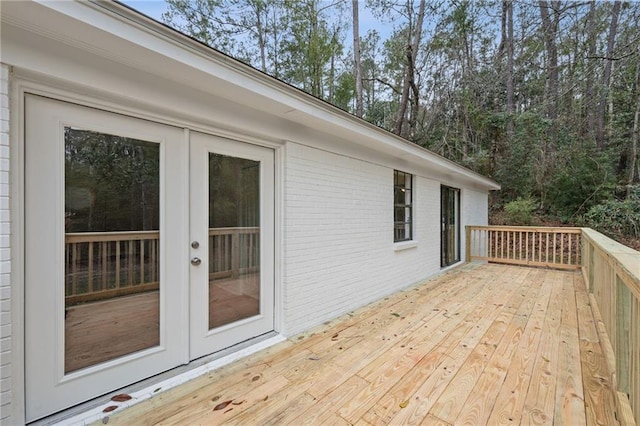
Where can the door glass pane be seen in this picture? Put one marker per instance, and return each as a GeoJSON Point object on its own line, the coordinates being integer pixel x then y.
{"type": "Point", "coordinates": [234, 239]}
{"type": "Point", "coordinates": [450, 226]}
{"type": "Point", "coordinates": [112, 258]}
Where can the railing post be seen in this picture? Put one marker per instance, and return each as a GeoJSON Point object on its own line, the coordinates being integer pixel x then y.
{"type": "Point", "coordinates": [467, 244]}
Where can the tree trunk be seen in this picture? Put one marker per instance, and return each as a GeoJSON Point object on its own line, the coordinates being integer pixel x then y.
{"type": "Point", "coordinates": [606, 76]}
{"type": "Point", "coordinates": [262, 43]}
{"type": "Point", "coordinates": [356, 58]}
{"type": "Point", "coordinates": [409, 72]}
{"type": "Point", "coordinates": [634, 136]}
{"type": "Point", "coordinates": [550, 31]}
{"type": "Point", "coordinates": [511, 104]}
{"type": "Point", "coordinates": [589, 90]}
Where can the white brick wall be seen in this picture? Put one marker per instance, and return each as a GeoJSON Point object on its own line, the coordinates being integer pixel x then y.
{"type": "Point", "coordinates": [475, 211]}
{"type": "Point", "coordinates": [5, 252]}
{"type": "Point", "coordinates": [338, 236]}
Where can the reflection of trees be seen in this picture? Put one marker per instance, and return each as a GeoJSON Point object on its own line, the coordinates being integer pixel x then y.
{"type": "Point", "coordinates": [233, 192]}
{"type": "Point", "coordinates": [111, 182]}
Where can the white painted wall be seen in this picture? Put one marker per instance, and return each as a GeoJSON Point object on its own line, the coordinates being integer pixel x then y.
{"type": "Point", "coordinates": [5, 253]}
{"type": "Point", "coordinates": [339, 251]}
{"type": "Point", "coordinates": [475, 211]}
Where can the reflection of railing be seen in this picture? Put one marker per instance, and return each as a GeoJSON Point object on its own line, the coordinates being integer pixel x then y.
{"type": "Point", "coordinates": [101, 265]}
{"type": "Point", "coordinates": [234, 251]}
{"type": "Point", "coordinates": [553, 247]}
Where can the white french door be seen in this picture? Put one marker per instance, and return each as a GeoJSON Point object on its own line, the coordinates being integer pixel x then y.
{"type": "Point", "coordinates": [232, 207]}
{"type": "Point", "coordinates": [136, 261]}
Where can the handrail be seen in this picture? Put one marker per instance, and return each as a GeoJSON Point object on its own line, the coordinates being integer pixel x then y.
{"type": "Point", "coordinates": [611, 274]}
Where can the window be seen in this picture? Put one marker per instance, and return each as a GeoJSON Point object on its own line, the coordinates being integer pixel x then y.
{"type": "Point", "coordinates": [402, 206]}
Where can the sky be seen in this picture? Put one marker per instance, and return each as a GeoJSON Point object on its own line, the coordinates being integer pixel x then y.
{"type": "Point", "coordinates": [152, 8]}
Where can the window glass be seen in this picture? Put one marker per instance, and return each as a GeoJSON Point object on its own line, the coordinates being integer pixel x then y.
{"type": "Point", "coordinates": [402, 211]}
{"type": "Point", "coordinates": [112, 247]}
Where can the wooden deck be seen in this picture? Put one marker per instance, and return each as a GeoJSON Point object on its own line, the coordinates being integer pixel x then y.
{"type": "Point", "coordinates": [482, 344]}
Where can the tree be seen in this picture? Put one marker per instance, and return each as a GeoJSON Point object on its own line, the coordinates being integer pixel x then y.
{"type": "Point", "coordinates": [311, 46]}
{"type": "Point", "coordinates": [414, 35]}
{"type": "Point", "coordinates": [357, 64]}
{"type": "Point", "coordinates": [606, 75]}
{"type": "Point", "coordinates": [550, 32]}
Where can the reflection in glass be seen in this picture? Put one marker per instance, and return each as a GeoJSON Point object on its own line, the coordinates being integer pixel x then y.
{"type": "Point", "coordinates": [234, 239]}
{"type": "Point", "coordinates": [112, 247]}
{"type": "Point", "coordinates": [450, 251]}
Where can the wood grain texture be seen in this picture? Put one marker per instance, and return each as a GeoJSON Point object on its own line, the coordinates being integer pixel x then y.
{"type": "Point", "coordinates": [483, 344]}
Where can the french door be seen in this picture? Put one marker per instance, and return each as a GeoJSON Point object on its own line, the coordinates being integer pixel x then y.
{"type": "Point", "coordinates": [136, 261]}
{"type": "Point", "coordinates": [450, 217]}
{"type": "Point", "coordinates": [231, 242]}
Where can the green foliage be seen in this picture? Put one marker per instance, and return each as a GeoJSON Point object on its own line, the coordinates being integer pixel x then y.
{"type": "Point", "coordinates": [616, 218]}
{"type": "Point", "coordinates": [581, 179]}
{"type": "Point", "coordinates": [520, 211]}
{"type": "Point", "coordinates": [345, 91]}
{"type": "Point", "coordinates": [515, 168]}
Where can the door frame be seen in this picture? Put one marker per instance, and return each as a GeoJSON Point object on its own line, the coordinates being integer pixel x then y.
{"type": "Point", "coordinates": [22, 83]}
{"type": "Point", "coordinates": [444, 260]}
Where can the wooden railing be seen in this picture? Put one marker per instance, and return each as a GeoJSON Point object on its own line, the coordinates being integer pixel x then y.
{"type": "Point", "coordinates": [102, 265]}
{"type": "Point", "coordinates": [551, 247]}
{"type": "Point", "coordinates": [612, 275]}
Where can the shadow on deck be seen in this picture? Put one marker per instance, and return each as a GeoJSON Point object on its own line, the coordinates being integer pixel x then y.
{"type": "Point", "coordinates": [481, 344]}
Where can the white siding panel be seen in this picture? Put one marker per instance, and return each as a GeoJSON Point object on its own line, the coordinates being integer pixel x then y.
{"type": "Point", "coordinates": [5, 253]}
{"type": "Point", "coordinates": [475, 211]}
{"type": "Point", "coordinates": [339, 236]}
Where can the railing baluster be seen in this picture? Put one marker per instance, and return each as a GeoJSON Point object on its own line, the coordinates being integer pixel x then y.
{"type": "Point", "coordinates": [103, 267]}
{"type": "Point", "coordinates": [130, 263]}
{"type": "Point", "coordinates": [117, 264]}
{"type": "Point", "coordinates": [74, 262]}
{"type": "Point", "coordinates": [141, 261]}
{"type": "Point", "coordinates": [520, 246]}
{"type": "Point", "coordinates": [90, 265]}
{"type": "Point", "coordinates": [67, 258]}
{"type": "Point", "coordinates": [546, 249]}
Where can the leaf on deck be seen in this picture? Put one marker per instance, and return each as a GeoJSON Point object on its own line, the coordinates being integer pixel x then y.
{"type": "Point", "coordinates": [121, 397]}
{"type": "Point", "coordinates": [222, 405]}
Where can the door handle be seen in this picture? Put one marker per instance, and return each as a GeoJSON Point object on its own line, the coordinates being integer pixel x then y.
{"type": "Point", "coordinates": [196, 261]}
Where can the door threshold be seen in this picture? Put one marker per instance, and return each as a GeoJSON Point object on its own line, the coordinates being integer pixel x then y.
{"type": "Point", "coordinates": [93, 410]}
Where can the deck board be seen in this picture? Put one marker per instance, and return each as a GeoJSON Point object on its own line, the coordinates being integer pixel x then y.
{"type": "Point", "coordinates": [481, 344]}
